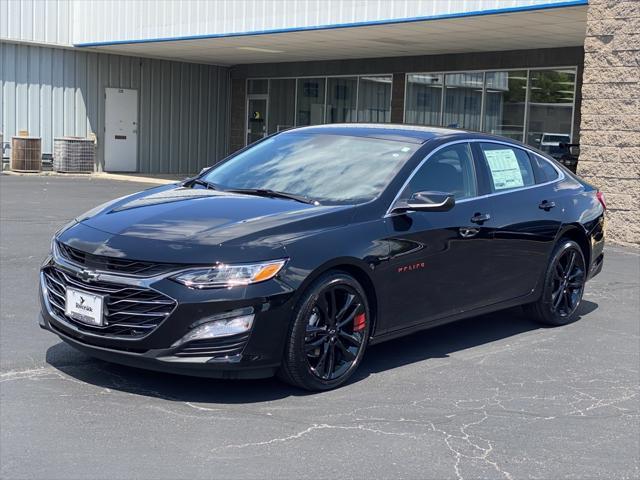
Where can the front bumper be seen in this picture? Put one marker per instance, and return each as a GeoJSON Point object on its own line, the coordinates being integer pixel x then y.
{"type": "Point", "coordinates": [256, 354]}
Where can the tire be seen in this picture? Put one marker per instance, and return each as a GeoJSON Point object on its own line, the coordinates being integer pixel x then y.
{"type": "Point", "coordinates": [329, 326]}
{"type": "Point", "coordinates": [562, 290]}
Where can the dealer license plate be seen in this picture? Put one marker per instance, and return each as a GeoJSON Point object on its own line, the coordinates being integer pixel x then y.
{"type": "Point", "coordinates": [84, 307]}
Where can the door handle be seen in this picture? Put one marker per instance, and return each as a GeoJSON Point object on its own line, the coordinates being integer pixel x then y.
{"type": "Point", "coordinates": [480, 218]}
{"type": "Point", "coordinates": [546, 205]}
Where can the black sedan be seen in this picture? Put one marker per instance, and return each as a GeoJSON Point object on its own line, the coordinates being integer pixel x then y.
{"type": "Point", "coordinates": [294, 254]}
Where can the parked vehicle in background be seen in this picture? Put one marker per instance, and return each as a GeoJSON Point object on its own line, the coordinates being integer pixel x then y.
{"type": "Point", "coordinates": [570, 158]}
{"type": "Point", "coordinates": [293, 255]}
{"type": "Point", "coordinates": [552, 144]}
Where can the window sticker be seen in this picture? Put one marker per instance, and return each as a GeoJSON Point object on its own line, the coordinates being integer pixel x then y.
{"type": "Point", "coordinates": [505, 169]}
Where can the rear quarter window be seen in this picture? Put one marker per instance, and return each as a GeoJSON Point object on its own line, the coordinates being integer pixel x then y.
{"type": "Point", "coordinates": [545, 172]}
{"type": "Point", "coordinates": [508, 167]}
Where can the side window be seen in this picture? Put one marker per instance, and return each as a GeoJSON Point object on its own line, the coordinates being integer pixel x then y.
{"type": "Point", "coordinates": [509, 167]}
{"type": "Point", "coordinates": [545, 171]}
{"type": "Point", "coordinates": [449, 170]}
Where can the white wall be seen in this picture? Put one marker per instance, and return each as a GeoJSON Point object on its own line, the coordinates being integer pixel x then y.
{"type": "Point", "coordinates": [122, 20]}
{"type": "Point", "coordinates": [40, 21]}
{"type": "Point", "coordinates": [53, 92]}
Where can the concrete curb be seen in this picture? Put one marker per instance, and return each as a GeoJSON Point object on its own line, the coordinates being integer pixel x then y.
{"type": "Point", "coordinates": [103, 176]}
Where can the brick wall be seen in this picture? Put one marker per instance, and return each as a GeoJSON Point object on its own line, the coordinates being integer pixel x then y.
{"type": "Point", "coordinates": [610, 113]}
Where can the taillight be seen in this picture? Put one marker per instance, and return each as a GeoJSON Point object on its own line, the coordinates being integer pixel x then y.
{"type": "Point", "coordinates": [600, 196]}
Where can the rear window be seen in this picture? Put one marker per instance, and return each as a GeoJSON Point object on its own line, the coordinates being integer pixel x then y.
{"type": "Point", "coordinates": [509, 167]}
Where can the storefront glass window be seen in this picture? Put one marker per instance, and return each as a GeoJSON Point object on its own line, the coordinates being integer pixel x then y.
{"type": "Point", "coordinates": [504, 103]}
{"type": "Point", "coordinates": [258, 86]}
{"type": "Point", "coordinates": [310, 101]}
{"type": "Point", "coordinates": [463, 100]}
{"type": "Point", "coordinates": [374, 98]}
{"type": "Point", "coordinates": [423, 98]}
{"type": "Point", "coordinates": [551, 99]}
{"type": "Point", "coordinates": [281, 105]}
{"type": "Point", "coordinates": [341, 99]}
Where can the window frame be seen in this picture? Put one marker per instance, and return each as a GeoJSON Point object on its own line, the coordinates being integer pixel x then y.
{"type": "Point", "coordinates": [479, 168]}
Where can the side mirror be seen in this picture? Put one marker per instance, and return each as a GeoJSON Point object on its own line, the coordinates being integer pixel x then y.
{"type": "Point", "coordinates": [426, 202]}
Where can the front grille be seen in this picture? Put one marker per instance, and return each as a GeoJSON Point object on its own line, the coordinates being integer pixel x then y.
{"type": "Point", "coordinates": [215, 347]}
{"type": "Point", "coordinates": [130, 312]}
{"type": "Point", "coordinates": [113, 264]}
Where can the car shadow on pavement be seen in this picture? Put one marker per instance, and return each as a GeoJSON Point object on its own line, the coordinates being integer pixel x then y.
{"type": "Point", "coordinates": [437, 342]}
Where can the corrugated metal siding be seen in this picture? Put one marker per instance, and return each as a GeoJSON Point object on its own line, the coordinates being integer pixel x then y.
{"type": "Point", "coordinates": [53, 92]}
{"type": "Point", "coordinates": [40, 21]}
{"type": "Point", "coordinates": [109, 20]}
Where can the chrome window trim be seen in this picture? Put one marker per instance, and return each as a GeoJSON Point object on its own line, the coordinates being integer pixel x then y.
{"type": "Point", "coordinates": [561, 175]}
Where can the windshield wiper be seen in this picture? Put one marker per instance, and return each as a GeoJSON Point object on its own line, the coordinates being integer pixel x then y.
{"type": "Point", "coordinates": [265, 192]}
{"type": "Point", "coordinates": [199, 181]}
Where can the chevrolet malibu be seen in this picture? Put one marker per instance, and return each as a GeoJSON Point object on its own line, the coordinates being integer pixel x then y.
{"type": "Point", "coordinates": [293, 255]}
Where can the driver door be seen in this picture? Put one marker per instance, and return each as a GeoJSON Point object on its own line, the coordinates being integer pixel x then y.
{"type": "Point", "coordinates": [440, 261]}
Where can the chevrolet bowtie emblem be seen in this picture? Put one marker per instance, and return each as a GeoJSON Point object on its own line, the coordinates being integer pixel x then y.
{"type": "Point", "coordinates": [87, 275]}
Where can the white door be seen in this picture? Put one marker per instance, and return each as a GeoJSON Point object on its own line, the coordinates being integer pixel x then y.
{"type": "Point", "coordinates": [121, 130]}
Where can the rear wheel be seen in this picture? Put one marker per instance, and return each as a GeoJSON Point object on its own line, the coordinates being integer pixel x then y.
{"type": "Point", "coordinates": [563, 286]}
{"type": "Point", "coordinates": [329, 334]}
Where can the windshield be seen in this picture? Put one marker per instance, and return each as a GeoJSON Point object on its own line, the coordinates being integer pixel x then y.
{"type": "Point", "coordinates": [331, 169]}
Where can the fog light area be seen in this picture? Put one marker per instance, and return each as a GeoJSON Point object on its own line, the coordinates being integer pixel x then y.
{"type": "Point", "coordinates": [222, 325]}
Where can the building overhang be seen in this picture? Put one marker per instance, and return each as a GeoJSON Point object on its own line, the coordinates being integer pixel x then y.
{"type": "Point", "coordinates": [538, 26]}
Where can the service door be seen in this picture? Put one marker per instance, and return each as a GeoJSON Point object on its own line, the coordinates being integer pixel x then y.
{"type": "Point", "coordinates": [257, 118]}
{"type": "Point", "coordinates": [121, 130]}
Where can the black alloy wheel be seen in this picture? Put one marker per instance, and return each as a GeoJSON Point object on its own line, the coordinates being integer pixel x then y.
{"type": "Point", "coordinates": [329, 334]}
{"type": "Point", "coordinates": [568, 282]}
{"type": "Point", "coordinates": [563, 287]}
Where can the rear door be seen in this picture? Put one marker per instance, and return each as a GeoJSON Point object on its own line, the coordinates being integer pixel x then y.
{"type": "Point", "coordinates": [439, 261]}
{"type": "Point", "coordinates": [526, 215]}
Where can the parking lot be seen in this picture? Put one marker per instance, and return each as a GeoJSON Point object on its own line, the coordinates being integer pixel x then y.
{"type": "Point", "coordinates": [489, 397]}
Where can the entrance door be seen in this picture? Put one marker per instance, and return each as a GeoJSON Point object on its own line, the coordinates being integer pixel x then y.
{"type": "Point", "coordinates": [257, 117]}
{"type": "Point", "coordinates": [121, 130]}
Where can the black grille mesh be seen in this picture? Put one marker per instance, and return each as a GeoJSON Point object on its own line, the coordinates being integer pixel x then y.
{"type": "Point", "coordinates": [129, 311]}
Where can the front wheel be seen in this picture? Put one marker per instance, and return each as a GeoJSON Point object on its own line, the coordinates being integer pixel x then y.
{"type": "Point", "coordinates": [563, 286]}
{"type": "Point", "coordinates": [329, 334]}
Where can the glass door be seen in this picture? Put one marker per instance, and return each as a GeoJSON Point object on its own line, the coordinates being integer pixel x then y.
{"type": "Point", "coordinates": [256, 117]}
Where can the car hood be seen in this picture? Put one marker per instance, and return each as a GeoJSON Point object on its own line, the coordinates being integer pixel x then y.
{"type": "Point", "coordinates": [177, 224]}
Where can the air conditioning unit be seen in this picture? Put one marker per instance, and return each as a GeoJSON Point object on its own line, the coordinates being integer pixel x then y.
{"type": "Point", "coordinates": [26, 154]}
{"type": "Point", "coordinates": [73, 155]}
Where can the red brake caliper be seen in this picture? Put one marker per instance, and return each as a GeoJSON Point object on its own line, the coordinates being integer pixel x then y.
{"type": "Point", "coordinates": [359, 322]}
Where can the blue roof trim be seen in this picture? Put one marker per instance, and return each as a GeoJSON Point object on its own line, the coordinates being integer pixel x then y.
{"type": "Point", "coordinates": [478, 13]}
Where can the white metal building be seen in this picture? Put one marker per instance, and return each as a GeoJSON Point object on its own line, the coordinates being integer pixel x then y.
{"type": "Point", "coordinates": [166, 86]}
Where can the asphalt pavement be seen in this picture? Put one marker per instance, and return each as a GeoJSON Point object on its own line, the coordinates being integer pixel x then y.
{"type": "Point", "coordinates": [489, 397]}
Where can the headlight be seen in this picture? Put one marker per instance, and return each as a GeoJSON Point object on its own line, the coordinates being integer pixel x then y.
{"type": "Point", "coordinates": [229, 275]}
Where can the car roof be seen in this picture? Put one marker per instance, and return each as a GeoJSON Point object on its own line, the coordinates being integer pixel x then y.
{"type": "Point", "coordinates": [400, 132]}
{"type": "Point", "coordinates": [417, 134]}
